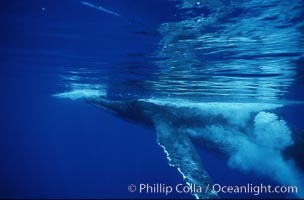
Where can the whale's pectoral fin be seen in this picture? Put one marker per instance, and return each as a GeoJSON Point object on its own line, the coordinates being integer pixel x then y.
{"type": "Point", "coordinates": [182, 154]}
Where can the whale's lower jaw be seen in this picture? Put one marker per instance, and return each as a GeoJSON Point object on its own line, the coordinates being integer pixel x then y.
{"type": "Point", "coordinates": [249, 134]}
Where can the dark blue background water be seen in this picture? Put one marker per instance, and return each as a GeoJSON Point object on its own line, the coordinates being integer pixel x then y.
{"type": "Point", "coordinates": [53, 148]}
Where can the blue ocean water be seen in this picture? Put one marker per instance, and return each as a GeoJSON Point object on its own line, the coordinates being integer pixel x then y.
{"type": "Point", "coordinates": [198, 51]}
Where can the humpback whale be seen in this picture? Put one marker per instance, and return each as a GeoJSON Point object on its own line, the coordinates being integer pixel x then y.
{"type": "Point", "coordinates": [250, 135]}
{"type": "Point", "coordinates": [236, 67]}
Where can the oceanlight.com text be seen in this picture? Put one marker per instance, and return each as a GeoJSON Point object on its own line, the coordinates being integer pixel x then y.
{"type": "Point", "coordinates": [161, 188]}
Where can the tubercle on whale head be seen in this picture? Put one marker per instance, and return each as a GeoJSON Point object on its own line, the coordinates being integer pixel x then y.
{"type": "Point", "coordinates": [129, 110]}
